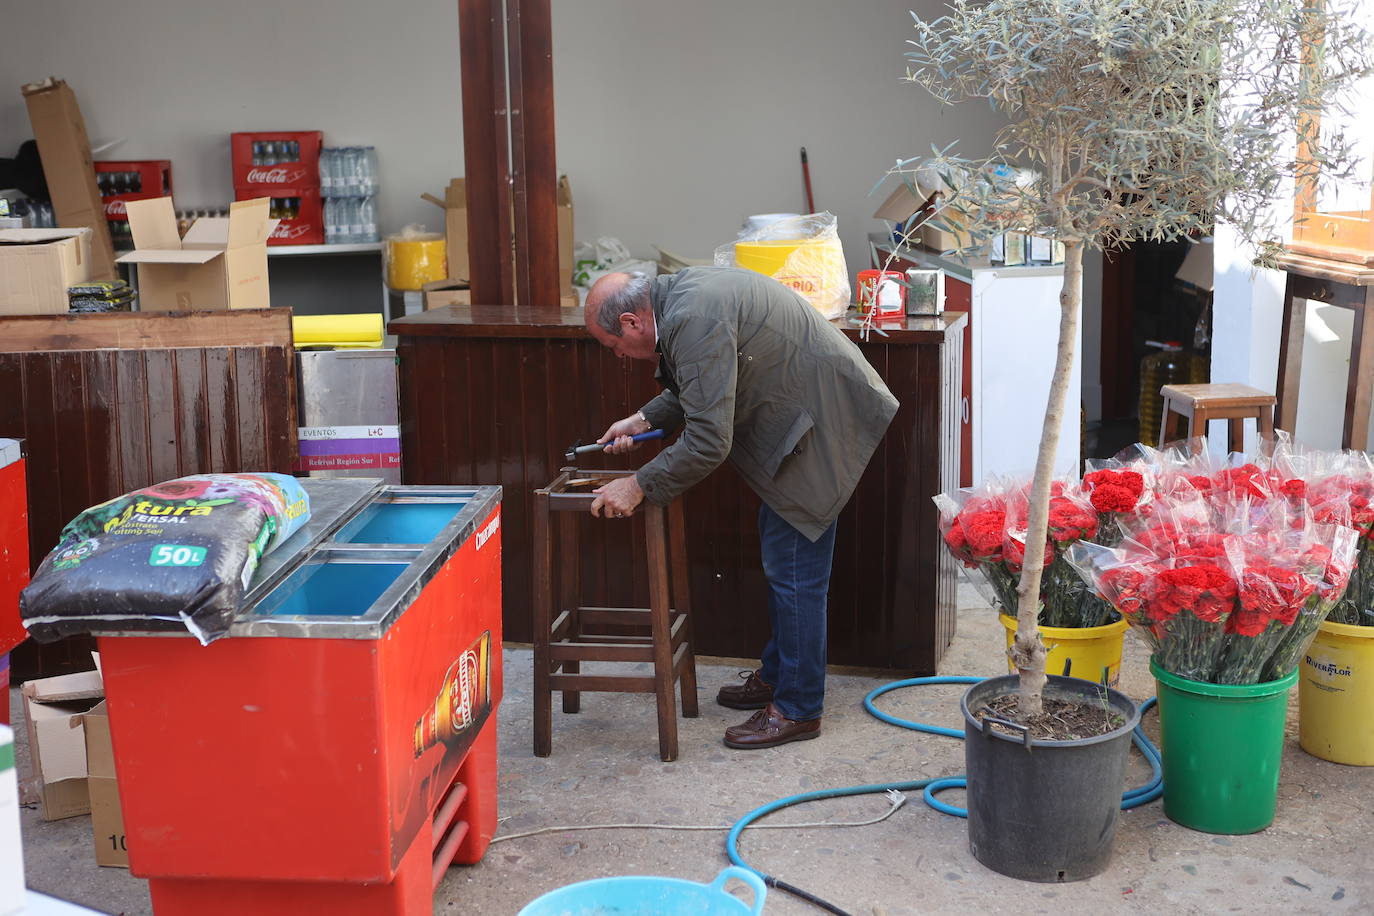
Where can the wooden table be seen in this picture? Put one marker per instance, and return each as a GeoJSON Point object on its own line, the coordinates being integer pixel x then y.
{"type": "Point", "coordinates": [1333, 283]}
{"type": "Point", "coordinates": [496, 394]}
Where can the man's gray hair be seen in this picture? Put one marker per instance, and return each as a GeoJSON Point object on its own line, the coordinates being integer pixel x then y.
{"type": "Point", "coordinates": [632, 296]}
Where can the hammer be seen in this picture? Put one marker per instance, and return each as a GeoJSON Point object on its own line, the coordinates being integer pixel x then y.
{"type": "Point", "coordinates": [579, 449]}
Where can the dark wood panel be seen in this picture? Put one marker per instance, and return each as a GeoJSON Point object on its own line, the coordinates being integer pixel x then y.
{"type": "Point", "coordinates": [481, 43]}
{"type": "Point", "coordinates": [99, 421]}
{"type": "Point", "coordinates": [525, 396]}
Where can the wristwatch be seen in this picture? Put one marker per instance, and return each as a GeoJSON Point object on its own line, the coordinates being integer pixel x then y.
{"type": "Point", "coordinates": [644, 419]}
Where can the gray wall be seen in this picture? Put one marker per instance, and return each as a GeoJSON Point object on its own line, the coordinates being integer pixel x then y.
{"type": "Point", "coordinates": [675, 120]}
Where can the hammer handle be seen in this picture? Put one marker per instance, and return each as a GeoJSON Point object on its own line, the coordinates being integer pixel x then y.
{"type": "Point", "coordinates": [637, 437]}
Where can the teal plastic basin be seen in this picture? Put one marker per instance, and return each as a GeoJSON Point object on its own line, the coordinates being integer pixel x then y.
{"type": "Point", "coordinates": [400, 522]}
{"type": "Point", "coordinates": [331, 589]}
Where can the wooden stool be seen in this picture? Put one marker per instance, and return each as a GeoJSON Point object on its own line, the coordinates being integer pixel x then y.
{"type": "Point", "coordinates": [659, 633]}
{"type": "Point", "coordinates": [1224, 401]}
{"type": "Point", "coordinates": [1336, 283]}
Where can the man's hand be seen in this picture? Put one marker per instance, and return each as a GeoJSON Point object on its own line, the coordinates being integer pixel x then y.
{"type": "Point", "coordinates": [619, 433]}
{"type": "Point", "coordinates": [617, 499]}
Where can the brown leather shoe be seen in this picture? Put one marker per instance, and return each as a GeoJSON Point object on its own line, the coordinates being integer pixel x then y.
{"type": "Point", "coordinates": [768, 728]}
{"type": "Point", "coordinates": [754, 693]}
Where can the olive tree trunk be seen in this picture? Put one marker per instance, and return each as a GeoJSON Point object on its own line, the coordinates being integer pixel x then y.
{"type": "Point", "coordinates": [1028, 651]}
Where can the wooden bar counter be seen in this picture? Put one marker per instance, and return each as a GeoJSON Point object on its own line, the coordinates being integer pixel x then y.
{"type": "Point", "coordinates": [496, 395]}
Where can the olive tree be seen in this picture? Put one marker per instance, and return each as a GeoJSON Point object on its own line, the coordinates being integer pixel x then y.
{"type": "Point", "coordinates": [1129, 120]}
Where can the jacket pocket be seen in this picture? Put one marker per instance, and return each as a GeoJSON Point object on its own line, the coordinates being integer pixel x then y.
{"type": "Point", "coordinates": [781, 436]}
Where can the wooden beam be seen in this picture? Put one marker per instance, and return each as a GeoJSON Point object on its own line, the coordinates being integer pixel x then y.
{"type": "Point", "coordinates": [481, 44]}
{"type": "Point", "coordinates": [147, 330]}
{"type": "Point", "coordinates": [534, 169]}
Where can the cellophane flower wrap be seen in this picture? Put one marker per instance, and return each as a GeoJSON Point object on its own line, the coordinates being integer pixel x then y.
{"type": "Point", "coordinates": [1230, 574]}
{"type": "Point", "coordinates": [985, 529]}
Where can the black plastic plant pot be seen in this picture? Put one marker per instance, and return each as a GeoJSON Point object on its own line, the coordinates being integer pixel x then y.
{"type": "Point", "coordinates": [1044, 810]}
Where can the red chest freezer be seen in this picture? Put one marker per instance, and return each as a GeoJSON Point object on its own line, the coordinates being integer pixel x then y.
{"type": "Point", "coordinates": [14, 558]}
{"type": "Point", "coordinates": [336, 752]}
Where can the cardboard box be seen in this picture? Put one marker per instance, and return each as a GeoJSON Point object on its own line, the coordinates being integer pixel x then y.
{"type": "Point", "coordinates": [447, 292]}
{"type": "Point", "coordinates": [65, 152]}
{"type": "Point", "coordinates": [306, 227]}
{"type": "Point", "coordinates": [565, 237]}
{"type": "Point", "coordinates": [293, 160]}
{"type": "Point", "coordinates": [37, 266]}
{"type": "Point", "coordinates": [107, 818]}
{"type": "Point", "coordinates": [455, 205]}
{"type": "Point", "coordinates": [54, 708]}
{"type": "Point", "coordinates": [221, 263]}
{"type": "Point", "coordinates": [902, 206]}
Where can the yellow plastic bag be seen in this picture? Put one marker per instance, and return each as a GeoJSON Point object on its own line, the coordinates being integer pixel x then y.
{"type": "Point", "coordinates": [802, 252]}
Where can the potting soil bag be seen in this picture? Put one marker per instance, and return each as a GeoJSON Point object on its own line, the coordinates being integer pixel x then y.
{"type": "Point", "coordinates": [176, 555]}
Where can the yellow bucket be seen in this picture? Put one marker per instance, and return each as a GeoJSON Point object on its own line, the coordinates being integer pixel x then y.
{"type": "Point", "coordinates": [411, 263]}
{"type": "Point", "coordinates": [813, 267]}
{"type": "Point", "coordinates": [1087, 649]}
{"type": "Point", "coordinates": [1336, 695]}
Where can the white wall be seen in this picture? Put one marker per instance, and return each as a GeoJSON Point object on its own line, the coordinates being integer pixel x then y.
{"type": "Point", "coordinates": [175, 77]}
{"type": "Point", "coordinates": [675, 120]}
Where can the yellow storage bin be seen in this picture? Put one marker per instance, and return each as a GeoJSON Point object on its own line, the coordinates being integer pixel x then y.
{"type": "Point", "coordinates": [1089, 650]}
{"type": "Point", "coordinates": [1336, 695]}
{"type": "Point", "coordinates": [411, 262]}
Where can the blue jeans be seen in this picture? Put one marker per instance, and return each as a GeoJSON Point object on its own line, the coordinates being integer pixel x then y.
{"type": "Point", "coordinates": [798, 573]}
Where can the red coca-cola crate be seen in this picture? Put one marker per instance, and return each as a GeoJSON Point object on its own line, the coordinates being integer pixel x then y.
{"type": "Point", "coordinates": [131, 179]}
{"type": "Point", "coordinates": [305, 227]}
{"type": "Point", "coordinates": [268, 160]}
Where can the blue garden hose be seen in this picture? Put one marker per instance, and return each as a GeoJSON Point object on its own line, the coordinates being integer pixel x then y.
{"type": "Point", "coordinates": [1130, 799]}
{"type": "Point", "coordinates": [929, 787]}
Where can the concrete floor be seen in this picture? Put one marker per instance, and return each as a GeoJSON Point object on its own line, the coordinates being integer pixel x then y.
{"type": "Point", "coordinates": [605, 769]}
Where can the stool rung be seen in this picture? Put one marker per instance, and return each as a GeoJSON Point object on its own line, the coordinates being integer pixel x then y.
{"type": "Point", "coordinates": [620, 616]}
{"type": "Point", "coordinates": [602, 683]}
{"type": "Point", "coordinates": [601, 652]}
{"type": "Point", "coordinates": [676, 634]}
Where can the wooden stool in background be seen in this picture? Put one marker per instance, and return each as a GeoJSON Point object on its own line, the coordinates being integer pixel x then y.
{"type": "Point", "coordinates": [567, 635]}
{"type": "Point", "coordinates": [1223, 401]}
{"type": "Point", "coordinates": [1336, 283]}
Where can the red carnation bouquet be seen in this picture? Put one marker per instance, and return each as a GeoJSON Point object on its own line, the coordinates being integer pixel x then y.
{"type": "Point", "coordinates": [1229, 589]}
{"type": "Point", "coordinates": [985, 529]}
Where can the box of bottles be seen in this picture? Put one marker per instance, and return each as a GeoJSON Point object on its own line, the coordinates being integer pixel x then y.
{"type": "Point", "coordinates": [267, 160]}
{"type": "Point", "coordinates": [127, 180]}
{"type": "Point", "coordinates": [300, 213]}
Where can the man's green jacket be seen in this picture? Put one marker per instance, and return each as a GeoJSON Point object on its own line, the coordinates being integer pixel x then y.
{"type": "Point", "coordinates": [754, 374]}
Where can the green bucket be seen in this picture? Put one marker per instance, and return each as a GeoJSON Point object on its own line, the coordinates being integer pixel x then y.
{"type": "Point", "coordinates": [1222, 745]}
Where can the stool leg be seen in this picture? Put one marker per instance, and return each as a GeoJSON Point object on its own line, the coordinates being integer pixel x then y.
{"type": "Point", "coordinates": [677, 547]}
{"type": "Point", "coordinates": [1235, 434]}
{"type": "Point", "coordinates": [656, 550]}
{"type": "Point", "coordinates": [1164, 422]}
{"type": "Point", "coordinates": [543, 622]}
{"type": "Point", "coordinates": [1266, 422]}
{"type": "Point", "coordinates": [1360, 385]}
{"type": "Point", "coordinates": [570, 596]}
{"type": "Point", "coordinates": [1197, 429]}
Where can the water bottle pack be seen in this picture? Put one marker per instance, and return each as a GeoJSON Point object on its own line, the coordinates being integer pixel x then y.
{"type": "Point", "coordinates": [348, 171]}
{"type": "Point", "coordinates": [348, 183]}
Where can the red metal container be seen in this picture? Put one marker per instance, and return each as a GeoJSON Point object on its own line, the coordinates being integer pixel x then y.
{"type": "Point", "coordinates": [300, 211]}
{"type": "Point", "coordinates": [14, 558]}
{"type": "Point", "coordinates": [124, 180]}
{"type": "Point", "coordinates": [882, 288]}
{"type": "Point", "coordinates": [309, 763]}
{"type": "Point", "coordinates": [266, 160]}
